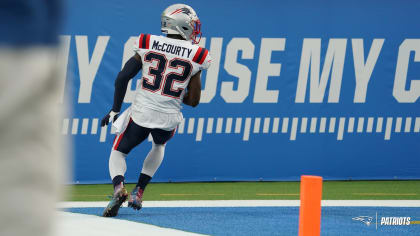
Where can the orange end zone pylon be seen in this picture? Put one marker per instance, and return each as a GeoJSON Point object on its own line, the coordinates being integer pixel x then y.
{"type": "Point", "coordinates": [310, 205]}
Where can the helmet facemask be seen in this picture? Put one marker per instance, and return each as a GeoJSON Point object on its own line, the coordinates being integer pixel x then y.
{"type": "Point", "coordinates": [196, 31]}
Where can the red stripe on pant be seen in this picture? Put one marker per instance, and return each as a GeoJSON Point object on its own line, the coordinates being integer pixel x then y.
{"type": "Point", "coordinates": [121, 136]}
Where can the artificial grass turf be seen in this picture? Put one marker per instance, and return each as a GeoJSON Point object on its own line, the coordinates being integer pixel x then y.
{"type": "Point", "coordinates": [265, 220]}
{"type": "Point", "coordinates": [332, 190]}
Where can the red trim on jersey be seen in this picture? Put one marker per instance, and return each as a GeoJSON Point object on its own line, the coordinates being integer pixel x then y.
{"type": "Point", "coordinates": [203, 57]}
{"type": "Point", "coordinates": [197, 54]}
{"type": "Point", "coordinates": [121, 135]}
{"type": "Point", "coordinates": [147, 41]}
{"type": "Point", "coordinates": [141, 41]}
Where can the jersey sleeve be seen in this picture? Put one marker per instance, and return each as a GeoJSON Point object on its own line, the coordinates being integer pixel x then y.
{"type": "Point", "coordinates": [202, 58]}
{"type": "Point", "coordinates": [142, 44]}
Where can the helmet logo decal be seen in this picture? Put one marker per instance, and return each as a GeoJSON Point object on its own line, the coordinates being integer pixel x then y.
{"type": "Point", "coordinates": [182, 10]}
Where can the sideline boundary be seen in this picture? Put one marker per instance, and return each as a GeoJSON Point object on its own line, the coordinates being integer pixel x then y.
{"type": "Point", "coordinates": [70, 224]}
{"type": "Point", "coordinates": [253, 203]}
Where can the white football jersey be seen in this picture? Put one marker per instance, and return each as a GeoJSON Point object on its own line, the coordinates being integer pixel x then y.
{"type": "Point", "coordinates": [168, 65]}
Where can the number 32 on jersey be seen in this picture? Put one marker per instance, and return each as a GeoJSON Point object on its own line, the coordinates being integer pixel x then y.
{"type": "Point", "coordinates": [159, 80]}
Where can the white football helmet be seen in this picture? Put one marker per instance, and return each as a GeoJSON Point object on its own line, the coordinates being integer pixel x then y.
{"type": "Point", "coordinates": [181, 19]}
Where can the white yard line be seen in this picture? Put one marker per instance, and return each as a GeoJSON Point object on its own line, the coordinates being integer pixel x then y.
{"type": "Point", "coordinates": [253, 203]}
{"type": "Point", "coordinates": [71, 224]}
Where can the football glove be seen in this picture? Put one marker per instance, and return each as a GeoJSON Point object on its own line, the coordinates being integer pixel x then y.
{"type": "Point", "coordinates": [110, 117]}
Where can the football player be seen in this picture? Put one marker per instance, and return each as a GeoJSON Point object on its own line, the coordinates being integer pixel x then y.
{"type": "Point", "coordinates": [171, 68]}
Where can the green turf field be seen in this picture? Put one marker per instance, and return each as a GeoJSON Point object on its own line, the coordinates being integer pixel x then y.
{"type": "Point", "coordinates": [332, 190]}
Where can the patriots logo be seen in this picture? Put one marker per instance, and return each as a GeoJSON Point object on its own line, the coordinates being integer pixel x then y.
{"type": "Point", "coordinates": [365, 219]}
{"type": "Point", "coordinates": [182, 10]}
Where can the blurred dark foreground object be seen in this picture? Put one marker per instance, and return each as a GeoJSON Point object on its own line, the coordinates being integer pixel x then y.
{"type": "Point", "coordinates": [31, 146]}
{"type": "Point", "coordinates": [26, 23]}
